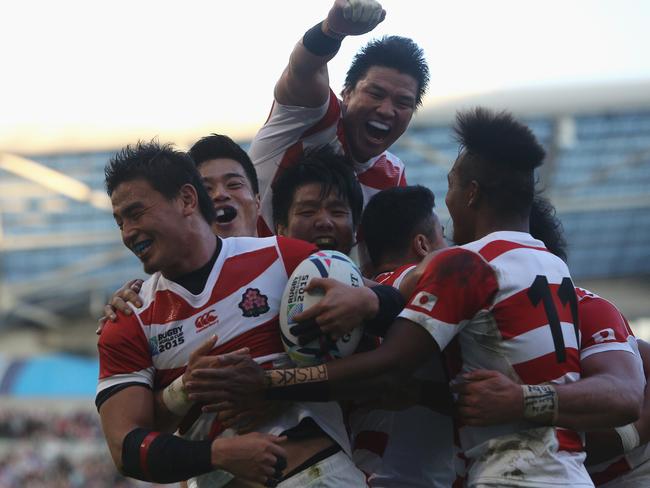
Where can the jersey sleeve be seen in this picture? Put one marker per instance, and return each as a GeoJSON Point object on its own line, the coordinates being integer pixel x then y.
{"type": "Point", "coordinates": [294, 251]}
{"type": "Point", "coordinates": [279, 143]}
{"type": "Point", "coordinates": [455, 286]}
{"type": "Point", "coordinates": [602, 327]}
{"type": "Point", "coordinates": [394, 278]}
{"type": "Point", "coordinates": [124, 354]}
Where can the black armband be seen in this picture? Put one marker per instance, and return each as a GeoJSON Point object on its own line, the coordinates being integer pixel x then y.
{"type": "Point", "coordinates": [164, 458]}
{"type": "Point", "coordinates": [319, 43]}
{"type": "Point", "coordinates": [391, 303]}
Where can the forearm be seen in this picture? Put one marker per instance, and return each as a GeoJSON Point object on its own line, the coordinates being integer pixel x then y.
{"type": "Point", "coordinates": [355, 377]}
{"type": "Point", "coordinates": [406, 347]}
{"type": "Point", "coordinates": [305, 80]}
{"type": "Point", "coordinates": [597, 402]}
{"type": "Point", "coordinates": [170, 405]}
{"type": "Point", "coordinates": [164, 419]}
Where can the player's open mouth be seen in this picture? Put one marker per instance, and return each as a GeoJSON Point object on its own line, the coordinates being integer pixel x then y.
{"type": "Point", "coordinates": [139, 248]}
{"type": "Point", "coordinates": [226, 214]}
{"type": "Point", "coordinates": [377, 130]}
{"type": "Point", "coordinates": [325, 243]}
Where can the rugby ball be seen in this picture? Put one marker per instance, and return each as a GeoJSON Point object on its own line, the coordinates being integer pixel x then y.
{"type": "Point", "coordinates": [322, 264]}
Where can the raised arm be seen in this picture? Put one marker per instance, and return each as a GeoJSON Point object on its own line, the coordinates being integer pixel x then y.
{"type": "Point", "coordinates": [305, 80]}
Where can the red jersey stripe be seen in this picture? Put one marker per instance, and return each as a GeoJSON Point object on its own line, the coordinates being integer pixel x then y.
{"type": "Point", "coordinates": [546, 367]}
{"type": "Point", "coordinates": [262, 341]}
{"type": "Point", "coordinates": [382, 174]}
{"type": "Point", "coordinates": [569, 440]}
{"type": "Point", "coordinates": [613, 471]}
{"type": "Point", "coordinates": [290, 158]}
{"type": "Point", "coordinates": [517, 315]}
{"type": "Point", "coordinates": [494, 249]}
{"type": "Point", "coordinates": [331, 116]}
{"type": "Point", "coordinates": [236, 273]}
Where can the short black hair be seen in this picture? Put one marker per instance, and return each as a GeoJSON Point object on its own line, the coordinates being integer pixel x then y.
{"type": "Point", "coordinates": [323, 166]}
{"type": "Point", "coordinates": [503, 154]}
{"type": "Point", "coordinates": [393, 217]}
{"type": "Point", "coordinates": [164, 167]}
{"type": "Point", "coordinates": [220, 146]}
{"type": "Point", "coordinates": [547, 227]}
{"type": "Point", "coordinates": [399, 53]}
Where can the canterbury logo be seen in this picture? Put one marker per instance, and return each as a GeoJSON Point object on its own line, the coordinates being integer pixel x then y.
{"type": "Point", "coordinates": [206, 320]}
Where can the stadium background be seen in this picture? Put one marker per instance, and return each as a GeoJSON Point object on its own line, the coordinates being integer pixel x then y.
{"type": "Point", "coordinates": [61, 256]}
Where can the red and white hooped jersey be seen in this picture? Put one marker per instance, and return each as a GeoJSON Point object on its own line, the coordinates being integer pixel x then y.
{"type": "Point", "coordinates": [407, 448]}
{"type": "Point", "coordinates": [604, 328]}
{"type": "Point", "coordinates": [290, 131]}
{"type": "Point", "coordinates": [239, 304]}
{"type": "Point", "coordinates": [512, 307]}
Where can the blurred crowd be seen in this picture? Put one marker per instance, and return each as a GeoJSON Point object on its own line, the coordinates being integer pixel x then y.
{"type": "Point", "coordinates": [56, 450]}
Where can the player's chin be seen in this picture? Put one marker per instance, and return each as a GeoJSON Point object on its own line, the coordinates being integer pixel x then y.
{"type": "Point", "coordinates": [227, 229]}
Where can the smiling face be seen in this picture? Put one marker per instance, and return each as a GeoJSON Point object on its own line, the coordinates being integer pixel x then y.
{"type": "Point", "coordinates": [378, 111]}
{"type": "Point", "coordinates": [236, 204]}
{"type": "Point", "coordinates": [325, 222]}
{"type": "Point", "coordinates": [152, 226]}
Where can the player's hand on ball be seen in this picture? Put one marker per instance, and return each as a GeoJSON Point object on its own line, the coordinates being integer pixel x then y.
{"type": "Point", "coordinates": [254, 457]}
{"type": "Point", "coordinates": [488, 398]}
{"type": "Point", "coordinates": [341, 309]}
{"type": "Point", "coordinates": [354, 17]}
{"type": "Point", "coordinates": [119, 302]}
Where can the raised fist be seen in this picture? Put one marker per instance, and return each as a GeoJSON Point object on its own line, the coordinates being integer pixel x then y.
{"type": "Point", "coordinates": [354, 17]}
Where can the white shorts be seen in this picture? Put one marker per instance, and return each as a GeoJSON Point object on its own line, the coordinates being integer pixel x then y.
{"type": "Point", "coordinates": [336, 471]}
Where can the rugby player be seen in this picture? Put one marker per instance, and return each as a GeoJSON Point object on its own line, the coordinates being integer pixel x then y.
{"type": "Point", "coordinates": [384, 85]}
{"type": "Point", "coordinates": [503, 303]}
{"type": "Point", "coordinates": [200, 281]}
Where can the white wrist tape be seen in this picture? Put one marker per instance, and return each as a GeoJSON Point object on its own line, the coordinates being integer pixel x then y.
{"type": "Point", "coordinates": [540, 404]}
{"type": "Point", "coordinates": [175, 398]}
{"type": "Point", "coordinates": [629, 437]}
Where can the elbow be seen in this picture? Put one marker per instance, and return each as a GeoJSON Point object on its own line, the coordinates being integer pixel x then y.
{"type": "Point", "coordinates": [630, 404]}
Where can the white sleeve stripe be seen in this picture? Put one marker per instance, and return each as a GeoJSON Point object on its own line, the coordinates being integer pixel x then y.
{"type": "Point", "coordinates": [144, 376]}
{"type": "Point", "coordinates": [609, 346]}
{"type": "Point", "coordinates": [519, 348]}
{"type": "Point", "coordinates": [441, 332]}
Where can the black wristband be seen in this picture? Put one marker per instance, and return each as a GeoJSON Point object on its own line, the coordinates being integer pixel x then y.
{"type": "Point", "coordinates": [319, 43]}
{"type": "Point", "coordinates": [391, 303]}
{"type": "Point", "coordinates": [318, 391]}
{"type": "Point", "coordinates": [164, 458]}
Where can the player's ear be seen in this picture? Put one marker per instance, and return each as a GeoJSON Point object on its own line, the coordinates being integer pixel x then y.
{"type": "Point", "coordinates": [345, 95]}
{"type": "Point", "coordinates": [189, 198]}
{"type": "Point", "coordinates": [421, 245]}
{"type": "Point", "coordinates": [473, 193]}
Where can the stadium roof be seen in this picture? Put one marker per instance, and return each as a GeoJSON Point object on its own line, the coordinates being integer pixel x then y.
{"type": "Point", "coordinates": [544, 101]}
{"type": "Point", "coordinates": [554, 100]}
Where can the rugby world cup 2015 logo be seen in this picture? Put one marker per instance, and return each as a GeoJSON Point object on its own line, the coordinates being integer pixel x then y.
{"type": "Point", "coordinates": [253, 303]}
